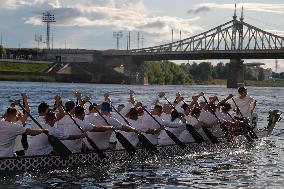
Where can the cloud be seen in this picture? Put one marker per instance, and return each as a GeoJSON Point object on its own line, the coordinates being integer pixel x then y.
{"type": "Point", "coordinates": [130, 15]}
{"type": "Point", "coordinates": [259, 7]}
{"type": "Point", "coordinates": [276, 32]}
{"type": "Point", "coordinates": [198, 10]}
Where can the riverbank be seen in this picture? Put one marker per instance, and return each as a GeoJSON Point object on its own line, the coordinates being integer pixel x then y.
{"type": "Point", "coordinates": [35, 72]}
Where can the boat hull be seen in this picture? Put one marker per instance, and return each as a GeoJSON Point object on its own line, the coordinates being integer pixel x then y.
{"type": "Point", "coordinates": [77, 159]}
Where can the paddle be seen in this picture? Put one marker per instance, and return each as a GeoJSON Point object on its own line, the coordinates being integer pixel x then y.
{"type": "Point", "coordinates": [197, 137]}
{"type": "Point", "coordinates": [57, 145]}
{"type": "Point", "coordinates": [144, 140]}
{"type": "Point", "coordinates": [222, 125]}
{"type": "Point", "coordinates": [247, 126]}
{"type": "Point", "coordinates": [244, 133]}
{"type": "Point", "coordinates": [91, 142]}
{"type": "Point", "coordinates": [124, 142]}
{"type": "Point", "coordinates": [24, 139]}
{"type": "Point", "coordinates": [169, 133]}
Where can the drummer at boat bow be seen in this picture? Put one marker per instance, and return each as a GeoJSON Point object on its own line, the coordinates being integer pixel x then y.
{"type": "Point", "coordinates": [244, 103]}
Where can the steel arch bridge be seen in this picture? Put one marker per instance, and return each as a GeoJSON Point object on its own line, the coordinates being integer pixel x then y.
{"type": "Point", "coordinates": [235, 39]}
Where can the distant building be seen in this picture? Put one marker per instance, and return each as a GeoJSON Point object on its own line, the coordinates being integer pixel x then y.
{"type": "Point", "coordinates": [255, 70]}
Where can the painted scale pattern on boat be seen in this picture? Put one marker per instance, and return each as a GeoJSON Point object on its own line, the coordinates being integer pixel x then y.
{"type": "Point", "coordinates": [52, 161]}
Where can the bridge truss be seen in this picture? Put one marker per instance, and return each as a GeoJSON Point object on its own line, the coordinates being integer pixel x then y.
{"type": "Point", "coordinates": [231, 36]}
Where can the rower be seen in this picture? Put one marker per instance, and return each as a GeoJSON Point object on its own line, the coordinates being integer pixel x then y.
{"type": "Point", "coordinates": [71, 129]}
{"type": "Point", "coordinates": [22, 118]}
{"type": "Point", "coordinates": [40, 144]}
{"type": "Point", "coordinates": [170, 116]}
{"type": "Point", "coordinates": [208, 120]}
{"type": "Point", "coordinates": [102, 139]}
{"type": "Point", "coordinates": [152, 128]}
{"type": "Point", "coordinates": [65, 121]}
{"type": "Point", "coordinates": [9, 130]}
{"type": "Point", "coordinates": [191, 119]}
{"type": "Point", "coordinates": [132, 118]}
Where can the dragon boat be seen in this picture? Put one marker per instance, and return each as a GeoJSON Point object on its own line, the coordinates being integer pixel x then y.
{"type": "Point", "coordinates": [78, 159]}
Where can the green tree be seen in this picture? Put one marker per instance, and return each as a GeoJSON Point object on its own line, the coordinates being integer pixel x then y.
{"type": "Point", "coordinates": [220, 71]}
{"type": "Point", "coordinates": [281, 75]}
{"type": "Point", "coordinates": [202, 71]}
{"type": "Point", "coordinates": [261, 75]}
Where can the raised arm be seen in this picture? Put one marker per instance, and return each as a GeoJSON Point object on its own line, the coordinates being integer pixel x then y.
{"type": "Point", "coordinates": [226, 99]}
{"type": "Point", "coordinates": [194, 101]}
{"type": "Point", "coordinates": [129, 105]}
{"type": "Point", "coordinates": [57, 105]}
{"type": "Point", "coordinates": [27, 107]}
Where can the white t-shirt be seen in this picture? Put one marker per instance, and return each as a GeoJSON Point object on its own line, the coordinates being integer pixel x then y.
{"type": "Point", "coordinates": [64, 122]}
{"type": "Point", "coordinates": [40, 120]}
{"type": "Point", "coordinates": [18, 142]}
{"type": "Point", "coordinates": [102, 139]}
{"type": "Point", "coordinates": [8, 133]}
{"type": "Point", "coordinates": [72, 129]}
{"type": "Point", "coordinates": [40, 144]}
{"type": "Point", "coordinates": [245, 105]}
{"type": "Point", "coordinates": [130, 136]}
{"type": "Point", "coordinates": [185, 136]}
{"type": "Point", "coordinates": [149, 123]}
{"type": "Point", "coordinates": [164, 138]}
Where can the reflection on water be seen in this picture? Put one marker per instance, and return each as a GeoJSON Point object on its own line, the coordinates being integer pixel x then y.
{"type": "Point", "coordinates": [260, 166]}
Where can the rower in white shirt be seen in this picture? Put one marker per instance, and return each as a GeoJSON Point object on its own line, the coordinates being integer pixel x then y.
{"type": "Point", "coordinates": [9, 130]}
{"type": "Point", "coordinates": [102, 139]}
{"type": "Point", "coordinates": [152, 128]}
{"type": "Point", "coordinates": [170, 116]}
{"type": "Point", "coordinates": [22, 118]}
{"type": "Point", "coordinates": [191, 119]}
{"type": "Point", "coordinates": [40, 144]}
{"type": "Point", "coordinates": [132, 118]}
{"type": "Point", "coordinates": [76, 145]}
{"type": "Point", "coordinates": [208, 120]}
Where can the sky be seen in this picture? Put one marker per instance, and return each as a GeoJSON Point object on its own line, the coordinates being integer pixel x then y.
{"type": "Point", "coordinates": [89, 24]}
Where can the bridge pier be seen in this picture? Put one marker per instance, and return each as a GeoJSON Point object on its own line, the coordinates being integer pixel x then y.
{"type": "Point", "coordinates": [236, 73]}
{"type": "Point", "coordinates": [131, 68]}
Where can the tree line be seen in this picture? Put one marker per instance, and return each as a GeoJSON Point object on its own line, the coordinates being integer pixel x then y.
{"type": "Point", "coordinates": [166, 72]}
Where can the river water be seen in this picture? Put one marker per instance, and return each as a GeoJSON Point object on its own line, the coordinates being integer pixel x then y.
{"type": "Point", "coordinates": [261, 166]}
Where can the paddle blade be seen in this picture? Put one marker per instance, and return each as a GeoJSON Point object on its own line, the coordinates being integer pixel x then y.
{"type": "Point", "coordinates": [147, 143]}
{"type": "Point", "coordinates": [175, 139]}
{"type": "Point", "coordinates": [251, 132]}
{"type": "Point", "coordinates": [125, 143]}
{"type": "Point", "coordinates": [59, 147]}
{"type": "Point", "coordinates": [197, 137]}
{"type": "Point", "coordinates": [225, 130]}
{"type": "Point", "coordinates": [211, 137]}
{"type": "Point", "coordinates": [96, 148]}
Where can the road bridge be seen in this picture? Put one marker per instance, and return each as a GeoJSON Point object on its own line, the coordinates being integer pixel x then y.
{"type": "Point", "coordinates": [234, 40]}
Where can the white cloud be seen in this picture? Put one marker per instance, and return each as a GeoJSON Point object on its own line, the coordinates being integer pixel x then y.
{"type": "Point", "coordinates": [15, 4]}
{"type": "Point", "coordinates": [130, 15]}
{"type": "Point", "coordinates": [54, 3]}
{"type": "Point", "coordinates": [276, 32]}
{"type": "Point", "coordinates": [259, 7]}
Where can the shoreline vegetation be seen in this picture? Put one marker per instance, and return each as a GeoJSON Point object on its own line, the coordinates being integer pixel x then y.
{"type": "Point", "coordinates": [160, 72]}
